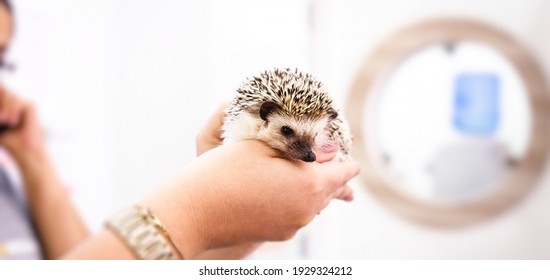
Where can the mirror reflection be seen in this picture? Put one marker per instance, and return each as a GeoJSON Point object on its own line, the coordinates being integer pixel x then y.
{"type": "Point", "coordinates": [451, 121]}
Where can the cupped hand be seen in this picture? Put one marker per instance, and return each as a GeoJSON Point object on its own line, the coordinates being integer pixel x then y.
{"type": "Point", "coordinates": [243, 192]}
{"type": "Point", "coordinates": [210, 136]}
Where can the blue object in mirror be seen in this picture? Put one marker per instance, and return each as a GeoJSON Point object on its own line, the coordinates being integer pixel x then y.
{"type": "Point", "coordinates": [476, 103]}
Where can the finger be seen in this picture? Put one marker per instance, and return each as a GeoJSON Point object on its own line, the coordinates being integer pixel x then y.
{"type": "Point", "coordinates": [211, 134]}
{"type": "Point", "coordinates": [7, 110]}
{"type": "Point", "coordinates": [345, 193]}
{"type": "Point", "coordinates": [16, 109]}
{"type": "Point", "coordinates": [13, 110]}
{"type": "Point", "coordinates": [215, 122]}
{"type": "Point", "coordinates": [337, 174]}
{"type": "Point", "coordinates": [28, 114]}
{"type": "Point", "coordinates": [29, 122]}
{"type": "Point", "coordinates": [3, 101]}
{"type": "Point", "coordinates": [326, 152]}
{"type": "Point", "coordinates": [2, 94]}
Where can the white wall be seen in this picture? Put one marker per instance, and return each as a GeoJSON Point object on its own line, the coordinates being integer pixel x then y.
{"type": "Point", "coordinates": [123, 87]}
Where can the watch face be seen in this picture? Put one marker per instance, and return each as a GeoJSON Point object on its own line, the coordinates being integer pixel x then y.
{"type": "Point", "coordinates": [141, 231]}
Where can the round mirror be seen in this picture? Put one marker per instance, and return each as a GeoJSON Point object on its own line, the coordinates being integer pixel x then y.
{"type": "Point", "coordinates": [450, 120]}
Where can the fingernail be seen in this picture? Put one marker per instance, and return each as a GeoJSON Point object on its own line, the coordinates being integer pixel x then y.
{"type": "Point", "coordinates": [349, 198]}
{"type": "Point", "coordinates": [329, 147]}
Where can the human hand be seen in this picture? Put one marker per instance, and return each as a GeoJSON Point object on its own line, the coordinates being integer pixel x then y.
{"type": "Point", "coordinates": [53, 215]}
{"type": "Point", "coordinates": [243, 192]}
{"type": "Point", "coordinates": [23, 137]}
{"type": "Point", "coordinates": [210, 136]}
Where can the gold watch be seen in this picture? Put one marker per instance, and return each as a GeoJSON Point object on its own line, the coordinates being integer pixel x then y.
{"type": "Point", "coordinates": [144, 234]}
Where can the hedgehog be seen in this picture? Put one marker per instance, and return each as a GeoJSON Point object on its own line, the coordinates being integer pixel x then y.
{"type": "Point", "coordinates": [289, 111]}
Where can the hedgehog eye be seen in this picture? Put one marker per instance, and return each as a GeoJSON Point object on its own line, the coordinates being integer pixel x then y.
{"type": "Point", "coordinates": [287, 131]}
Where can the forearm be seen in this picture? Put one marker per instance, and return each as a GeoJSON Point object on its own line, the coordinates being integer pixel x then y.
{"type": "Point", "coordinates": [213, 204]}
{"type": "Point", "coordinates": [102, 246]}
{"type": "Point", "coordinates": [57, 221]}
{"type": "Point", "coordinates": [174, 216]}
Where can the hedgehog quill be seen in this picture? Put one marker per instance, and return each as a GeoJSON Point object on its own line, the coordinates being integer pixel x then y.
{"type": "Point", "coordinates": [291, 112]}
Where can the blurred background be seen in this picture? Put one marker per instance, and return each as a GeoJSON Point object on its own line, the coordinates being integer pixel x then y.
{"type": "Point", "coordinates": [123, 86]}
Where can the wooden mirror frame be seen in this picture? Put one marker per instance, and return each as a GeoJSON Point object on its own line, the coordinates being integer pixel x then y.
{"type": "Point", "coordinates": [517, 182]}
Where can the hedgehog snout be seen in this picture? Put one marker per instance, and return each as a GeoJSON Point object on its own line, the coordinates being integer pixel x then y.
{"type": "Point", "coordinates": [303, 151]}
{"type": "Point", "coordinates": [309, 156]}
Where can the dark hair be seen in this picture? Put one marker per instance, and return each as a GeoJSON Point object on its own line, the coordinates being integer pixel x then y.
{"type": "Point", "coordinates": [7, 4]}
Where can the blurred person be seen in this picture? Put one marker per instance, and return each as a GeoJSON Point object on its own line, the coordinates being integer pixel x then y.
{"type": "Point", "coordinates": [50, 225]}
{"type": "Point", "coordinates": [222, 206]}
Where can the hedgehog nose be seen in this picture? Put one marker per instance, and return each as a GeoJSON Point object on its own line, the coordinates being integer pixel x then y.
{"type": "Point", "coordinates": [309, 157]}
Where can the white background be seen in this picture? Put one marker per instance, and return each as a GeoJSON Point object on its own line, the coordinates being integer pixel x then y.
{"type": "Point", "coordinates": [123, 87]}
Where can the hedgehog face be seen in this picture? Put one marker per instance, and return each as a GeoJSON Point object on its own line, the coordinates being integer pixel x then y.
{"type": "Point", "coordinates": [288, 110]}
{"type": "Point", "coordinates": [295, 137]}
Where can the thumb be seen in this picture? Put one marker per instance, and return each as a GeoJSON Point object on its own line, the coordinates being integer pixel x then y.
{"type": "Point", "coordinates": [344, 193]}
{"type": "Point", "coordinates": [337, 174]}
{"type": "Point", "coordinates": [327, 151]}
{"type": "Point", "coordinates": [210, 135]}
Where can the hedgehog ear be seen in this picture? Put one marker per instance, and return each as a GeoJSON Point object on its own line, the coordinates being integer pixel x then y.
{"type": "Point", "coordinates": [332, 114]}
{"type": "Point", "coordinates": [268, 108]}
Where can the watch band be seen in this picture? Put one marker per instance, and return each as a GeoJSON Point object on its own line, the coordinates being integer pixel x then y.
{"type": "Point", "coordinates": [144, 234]}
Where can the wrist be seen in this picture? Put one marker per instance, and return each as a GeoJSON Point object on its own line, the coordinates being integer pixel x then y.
{"type": "Point", "coordinates": [39, 175]}
{"type": "Point", "coordinates": [179, 220]}
{"type": "Point", "coordinates": [143, 234]}
{"type": "Point", "coordinates": [29, 158]}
